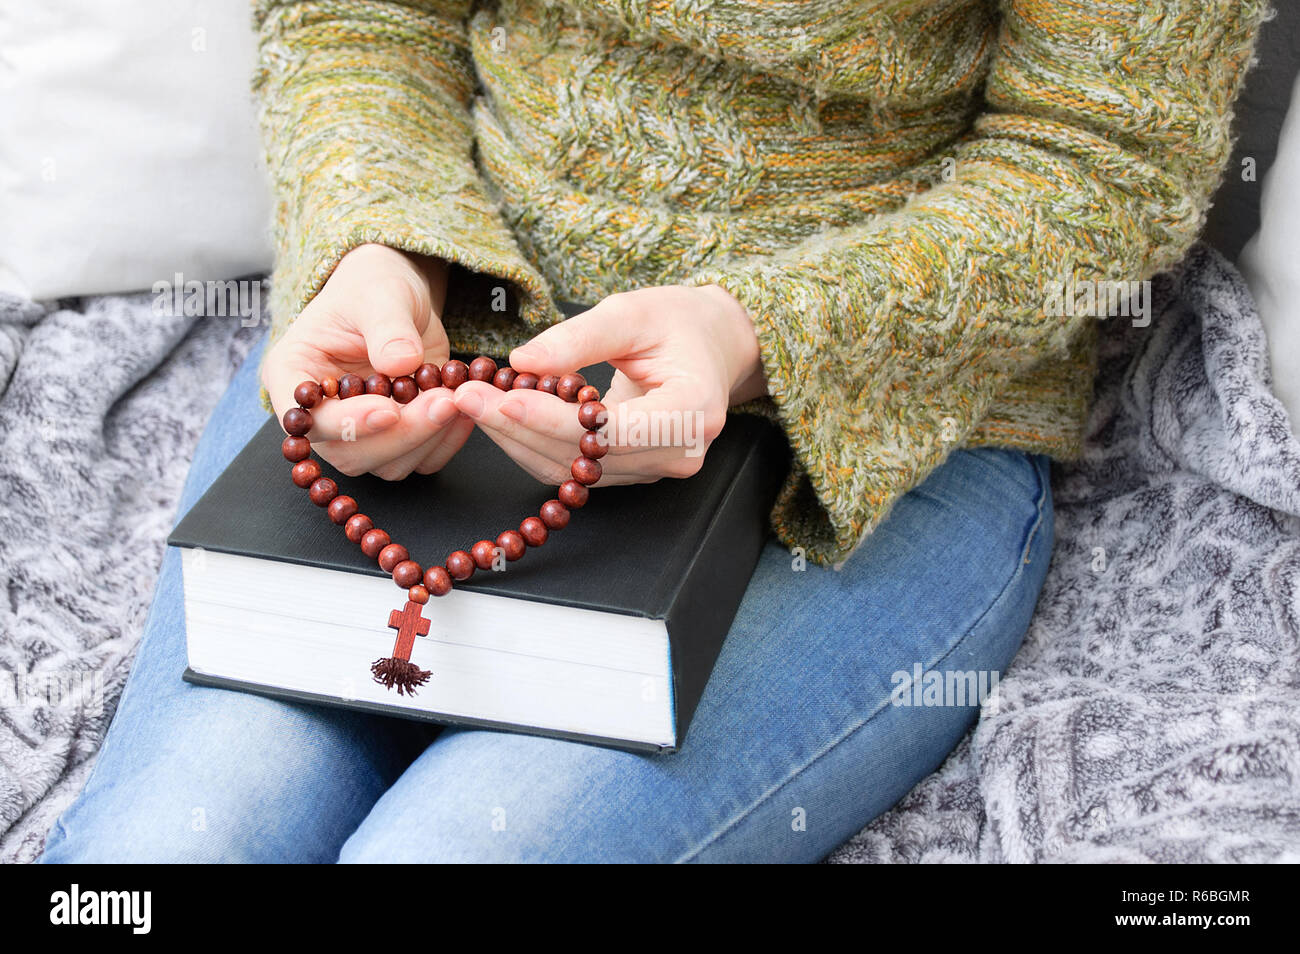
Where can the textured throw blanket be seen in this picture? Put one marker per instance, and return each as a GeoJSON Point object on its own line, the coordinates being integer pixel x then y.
{"type": "Point", "coordinates": [1153, 714]}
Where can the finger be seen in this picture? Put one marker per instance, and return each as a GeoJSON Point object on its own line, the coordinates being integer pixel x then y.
{"type": "Point", "coordinates": [413, 426]}
{"type": "Point", "coordinates": [538, 420]}
{"type": "Point", "coordinates": [403, 466]}
{"type": "Point", "coordinates": [609, 330]}
{"type": "Point", "coordinates": [389, 314]}
{"type": "Point", "coordinates": [454, 437]}
{"type": "Point", "coordinates": [676, 414]}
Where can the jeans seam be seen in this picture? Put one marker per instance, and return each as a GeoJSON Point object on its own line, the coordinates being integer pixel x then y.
{"type": "Point", "coordinates": [718, 834]}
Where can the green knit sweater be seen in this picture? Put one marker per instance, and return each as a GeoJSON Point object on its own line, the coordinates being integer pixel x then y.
{"type": "Point", "coordinates": [892, 189]}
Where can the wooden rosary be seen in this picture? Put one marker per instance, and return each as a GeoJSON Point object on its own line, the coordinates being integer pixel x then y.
{"type": "Point", "coordinates": [397, 671]}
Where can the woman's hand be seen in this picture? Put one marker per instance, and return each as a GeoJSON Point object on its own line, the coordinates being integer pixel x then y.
{"type": "Point", "coordinates": [378, 311]}
{"type": "Point", "coordinates": [682, 355]}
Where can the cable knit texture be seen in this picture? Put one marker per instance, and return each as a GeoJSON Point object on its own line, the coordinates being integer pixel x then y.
{"type": "Point", "coordinates": [890, 187]}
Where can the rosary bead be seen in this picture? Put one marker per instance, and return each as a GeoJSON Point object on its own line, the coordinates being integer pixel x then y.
{"type": "Point", "coordinates": [548, 383]}
{"type": "Point", "coordinates": [569, 385]}
{"type": "Point", "coordinates": [392, 555]}
{"type": "Point", "coordinates": [305, 473]}
{"type": "Point", "coordinates": [483, 553]}
{"type": "Point", "coordinates": [526, 381]}
{"type": "Point", "coordinates": [308, 394]}
{"type": "Point", "coordinates": [329, 386]}
{"type": "Point", "coordinates": [358, 526]}
{"type": "Point", "coordinates": [379, 384]}
{"type": "Point", "coordinates": [588, 393]}
{"type": "Point", "coordinates": [418, 593]}
{"type": "Point", "coordinates": [460, 565]}
{"type": "Point", "coordinates": [407, 573]}
{"type": "Point", "coordinates": [593, 445]}
{"type": "Point", "coordinates": [454, 374]}
{"type": "Point", "coordinates": [437, 580]}
{"type": "Point", "coordinates": [405, 390]}
{"type": "Point", "coordinates": [341, 509]}
{"type": "Point", "coordinates": [554, 514]}
{"type": "Point", "coordinates": [427, 377]}
{"type": "Point", "coordinates": [322, 491]}
{"type": "Point", "coordinates": [351, 385]}
{"type": "Point", "coordinates": [504, 379]}
{"type": "Point", "coordinates": [512, 544]}
{"type": "Point", "coordinates": [373, 542]}
{"type": "Point", "coordinates": [295, 448]}
{"type": "Point", "coordinates": [297, 421]}
{"type": "Point", "coordinates": [585, 470]}
{"type": "Point", "coordinates": [592, 415]}
{"type": "Point", "coordinates": [533, 531]}
{"type": "Point", "coordinates": [573, 494]}
{"type": "Point", "coordinates": [482, 368]}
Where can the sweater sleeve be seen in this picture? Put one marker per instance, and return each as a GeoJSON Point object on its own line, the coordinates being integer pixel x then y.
{"type": "Point", "coordinates": [1104, 131]}
{"type": "Point", "coordinates": [364, 108]}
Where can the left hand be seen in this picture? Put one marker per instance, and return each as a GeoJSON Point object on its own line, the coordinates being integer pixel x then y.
{"type": "Point", "coordinates": [682, 355]}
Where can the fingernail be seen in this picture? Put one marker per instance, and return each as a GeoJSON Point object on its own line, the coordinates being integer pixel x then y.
{"type": "Point", "coordinates": [533, 351]}
{"type": "Point", "coordinates": [442, 411]}
{"type": "Point", "coordinates": [381, 420]}
{"type": "Point", "coordinates": [399, 348]}
{"type": "Point", "coordinates": [472, 404]}
{"type": "Point", "coordinates": [514, 410]}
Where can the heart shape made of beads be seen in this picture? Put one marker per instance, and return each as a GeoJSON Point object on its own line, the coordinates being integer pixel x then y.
{"type": "Point", "coordinates": [397, 671]}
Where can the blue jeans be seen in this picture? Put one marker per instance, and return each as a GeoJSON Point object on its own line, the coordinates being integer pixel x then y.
{"type": "Point", "coordinates": [798, 742]}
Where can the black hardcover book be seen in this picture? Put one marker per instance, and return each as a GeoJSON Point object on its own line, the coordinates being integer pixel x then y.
{"type": "Point", "coordinates": [607, 633]}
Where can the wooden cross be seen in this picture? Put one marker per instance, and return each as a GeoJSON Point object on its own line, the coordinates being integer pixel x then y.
{"type": "Point", "coordinates": [409, 623]}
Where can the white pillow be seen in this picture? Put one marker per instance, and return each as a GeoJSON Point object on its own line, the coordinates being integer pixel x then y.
{"type": "Point", "coordinates": [1270, 263]}
{"type": "Point", "coordinates": [128, 146]}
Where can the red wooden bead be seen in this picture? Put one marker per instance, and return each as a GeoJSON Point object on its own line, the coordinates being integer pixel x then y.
{"type": "Point", "coordinates": [588, 393]}
{"type": "Point", "coordinates": [350, 385]}
{"type": "Point", "coordinates": [484, 554]}
{"type": "Point", "coordinates": [329, 386]}
{"type": "Point", "coordinates": [305, 473]}
{"type": "Point", "coordinates": [392, 555]}
{"type": "Point", "coordinates": [379, 384]}
{"type": "Point", "coordinates": [504, 379]}
{"type": "Point", "coordinates": [418, 593]}
{"type": "Point", "coordinates": [460, 565]}
{"type": "Point", "coordinates": [308, 394]}
{"type": "Point", "coordinates": [592, 415]}
{"type": "Point", "coordinates": [404, 390]}
{"type": "Point", "coordinates": [569, 385]}
{"type": "Point", "coordinates": [548, 383]}
{"type": "Point", "coordinates": [407, 573]}
{"type": "Point", "coordinates": [373, 542]}
{"type": "Point", "coordinates": [585, 470]}
{"type": "Point", "coordinates": [341, 509]}
{"type": "Point", "coordinates": [533, 531]}
{"type": "Point", "coordinates": [322, 491]}
{"type": "Point", "coordinates": [554, 514]}
{"type": "Point", "coordinates": [512, 544]}
{"type": "Point", "coordinates": [454, 374]}
{"type": "Point", "coordinates": [427, 377]}
{"type": "Point", "coordinates": [295, 448]}
{"type": "Point", "coordinates": [525, 381]}
{"type": "Point", "coordinates": [296, 421]}
{"type": "Point", "coordinates": [593, 445]}
{"type": "Point", "coordinates": [358, 526]}
{"type": "Point", "coordinates": [573, 494]}
{"type": "Point", "coordinates": [482, 368]}
{"type": "Point", "coordinates": [438, 580]}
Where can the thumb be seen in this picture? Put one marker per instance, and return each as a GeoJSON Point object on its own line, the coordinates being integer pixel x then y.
{"type": "Point", "coordinates": [605, 332]}
{"type": "Point", "coordinates": [387, 321]}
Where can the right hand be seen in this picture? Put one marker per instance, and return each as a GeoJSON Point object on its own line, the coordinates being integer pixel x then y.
{"type": "Point", "coordinates": [378, 311]}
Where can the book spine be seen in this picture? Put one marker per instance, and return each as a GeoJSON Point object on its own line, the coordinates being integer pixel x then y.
{"type": "Point", "coordinates": [714, 583]}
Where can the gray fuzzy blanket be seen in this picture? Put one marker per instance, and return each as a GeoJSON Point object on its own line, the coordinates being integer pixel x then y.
{"type": "Point", "coordinates": [1153, 714]}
